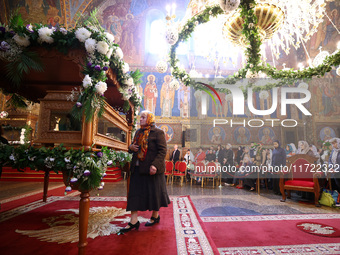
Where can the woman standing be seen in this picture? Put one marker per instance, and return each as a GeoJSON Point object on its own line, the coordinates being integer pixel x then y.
{"type": "Point", "coordinates": [147, 183]}
{"type": "Point", "coordinates": [278, 160]}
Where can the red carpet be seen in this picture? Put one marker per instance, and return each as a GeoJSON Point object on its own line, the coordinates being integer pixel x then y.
{"type": "Point", "coordinates": [23, 199]}
{"type": "Point", "coordinates": [271, 234]}
{"type": "Point", "coordinates": [179, 232]}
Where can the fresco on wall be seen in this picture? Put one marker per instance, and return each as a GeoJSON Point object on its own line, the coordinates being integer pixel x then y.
{"type": "Point", "coordinates": [325, 97]}
{"type": "Point", "coordinates": [241, 135]}
{"type": "Point", "coordinates": [326, 36]}
{"type": "Point", "coordinates": [39, 11]}
{"type": "Point", "coordinates": [118, 19]}
{"type": "Point", "coordinates": [326, 133]}
{"type": "Point", "coordinates": [167, 97]}
{"type": "Point", "coordinates": [266, 135]}
{"type": "Point", "coordinates": [216, 135]}
{"type": "Point", "coordinates": [169, 132]}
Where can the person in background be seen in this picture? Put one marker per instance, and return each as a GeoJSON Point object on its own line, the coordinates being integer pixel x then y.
{"type": "Point", "coordinates": [190, 169]}
{"type": "Point", "coordinates": [303, 148]}
{"type": "Point", "coordinates": [289, 151]}
{"type": "Point", "coordinates": [147, 182]}
{"type": "Point", "coordinates": [189, 156]}
{"type": "Point", "coordinates": [252, 151]}
{"type": "Point", "coordinates": [200, 156]}
{"type": "Point", "coordinates": [229, 162]}
{"type": "Point", "coordinates": [210, 156]}
{"type": "Point", "coordinates": [242, 173]}
{"type": "Point", "coordinates": [279, 160]}
{"type": "Point", "coordinates": [239, 155]}
{"type": "Point", "coordinates": [220, 154]}
{"type": "Point", "coordinates": [334, 162]}
{"type": "Point", "coordinates": [175, 154]}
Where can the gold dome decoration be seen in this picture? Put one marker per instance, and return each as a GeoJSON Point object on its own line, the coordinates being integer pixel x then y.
{"type": "Point", "coordinates": [270, 19]}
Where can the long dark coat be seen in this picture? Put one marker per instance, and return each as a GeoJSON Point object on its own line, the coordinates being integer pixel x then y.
{"type": "Point", "coordinates": [148, 192]}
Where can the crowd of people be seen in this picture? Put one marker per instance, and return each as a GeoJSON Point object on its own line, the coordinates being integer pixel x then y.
{"type": "Point", "coordinates": [255, 154]}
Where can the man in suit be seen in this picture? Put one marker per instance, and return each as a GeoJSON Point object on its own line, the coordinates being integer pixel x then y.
{"type": "Point", "coordinates": [175, 154]}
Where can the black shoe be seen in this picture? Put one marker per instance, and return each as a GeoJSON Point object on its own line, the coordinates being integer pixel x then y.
{"type": "Point", "coordinates": [132, 226]}
{"type": "Point", "coordinates": [155, 220]}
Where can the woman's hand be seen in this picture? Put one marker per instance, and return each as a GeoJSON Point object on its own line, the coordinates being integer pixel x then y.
{"type": "Point", "coordinates": [134, 147]}
{"type": "Point", "coordinates": [153, 170]}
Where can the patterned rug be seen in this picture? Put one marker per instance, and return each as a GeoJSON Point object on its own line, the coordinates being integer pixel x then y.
{"type": "Point", "coordinates": [318, 229]}
{"type": "Point", "coordinates": [52, 228]}
{"type": "Point", "coordinates": [271, 234]}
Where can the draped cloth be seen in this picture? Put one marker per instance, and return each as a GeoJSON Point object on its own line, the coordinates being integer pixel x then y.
{"type": "Point", "coordinates": [142, 135]}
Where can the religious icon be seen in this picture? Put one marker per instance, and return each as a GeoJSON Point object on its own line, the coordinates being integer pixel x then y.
{"type": "Point", "coordinates": [150, 94]}
{"type": "Point", "coordinates": [168, 132]}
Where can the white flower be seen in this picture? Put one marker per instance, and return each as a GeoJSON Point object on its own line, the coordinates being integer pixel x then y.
{"type": "Point", "coordinates": [90, 45]}
{"type": "Point", "coordinates": [68, 188]}
{"type": "Point", "coordinates": [21, 40]}
{"type": "Point", "coordinates": [74, 179]}
{"type": "Point", "coordinates": [110, 37]}
{"type": "Point", "coordinates": [109, 163]}
{"type": "Point", "coordinates": [126, 67]}
{"type": "Point", "coordinates": [250, 25]}
{"type": "Point", "coordinates": [129, 82]}
{"type": "Point", "coordinates": [102, 47]}
{"type": "Point", "coordinates": [87, 81]}
{"type": "Point", "coordinates": [196, 22]}
{"type": "Point", "coordinates": [119, 53]}
{"type": "Point", "coordinates": [82, 34]}
{"type": "Point", "coordinates": [109, 53]}
{"type": "Point", "coordinates": [101, 87]}
{"type": "Point", "coordinates": [67, 160]}
{"type": "Point", "coordinates": [45, 34]}
{"type": "Point", "coordinates": [3, 114]}
{"type": "Point", "coordinates": [63, 31]}
{"type": "Point", "coordinates": [51, 159]}
{"type": "Point", "coordinates": [12, 157]}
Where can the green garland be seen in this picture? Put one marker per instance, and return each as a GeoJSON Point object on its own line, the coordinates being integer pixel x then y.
{"type": "Point", "coordinates": [252, 52]}
{"type": "Point", "coordinates": [87, 167]}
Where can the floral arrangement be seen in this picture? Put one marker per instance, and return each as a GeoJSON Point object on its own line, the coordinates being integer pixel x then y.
{"type": "Point", "coordinates": [254, 67]}
{"type": "Point", "coordinates": [3, 114]}
{"type": "Point", "coordinates": [85, 169]}
{"type": "Point", "coordinates": [101, 54]}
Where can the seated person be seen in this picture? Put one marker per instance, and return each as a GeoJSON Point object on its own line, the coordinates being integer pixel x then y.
{"type": "Point", "coordinates": [190, 169]}
{"type": "Point", "coordinates": [188, 156]}
{"type": "Point", "coordinates": [200, 156]}
{"type": "Point", "coordinates": [210, 156]}
{"type": "Point", "coordinates": [241, 173]}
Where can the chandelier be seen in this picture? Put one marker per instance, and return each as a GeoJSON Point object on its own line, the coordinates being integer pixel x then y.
{"type": "Point", "coordinates": [281, 23]}
{"type": "Point", "coordinates": [270, 19]}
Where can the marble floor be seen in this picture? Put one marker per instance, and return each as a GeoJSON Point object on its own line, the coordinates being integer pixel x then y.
{"type": "Point", "coordinates": [209, 201]}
